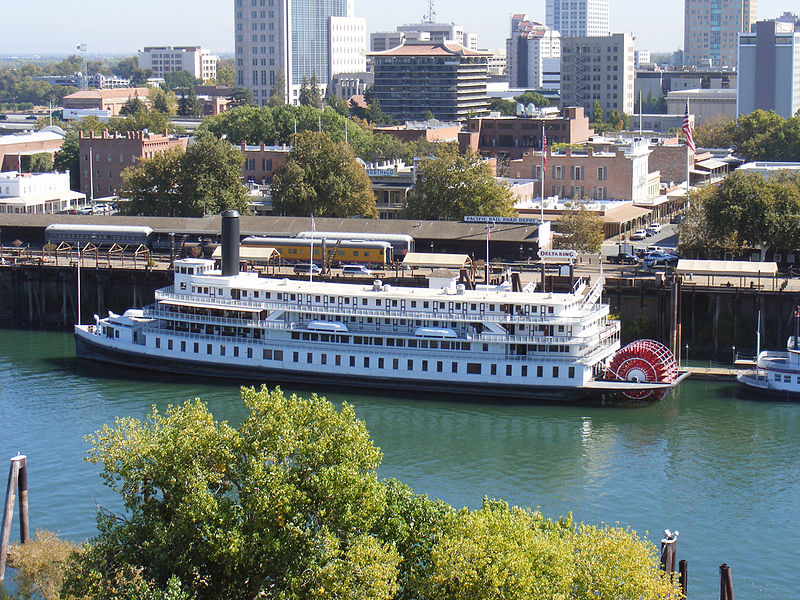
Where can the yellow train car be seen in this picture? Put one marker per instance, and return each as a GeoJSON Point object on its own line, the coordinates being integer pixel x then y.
{"type": "Point", "coordinates": [297, 250]}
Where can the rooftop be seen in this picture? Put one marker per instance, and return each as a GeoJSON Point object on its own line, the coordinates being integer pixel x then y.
{"type": "Point", "coordinates": [429, 49]}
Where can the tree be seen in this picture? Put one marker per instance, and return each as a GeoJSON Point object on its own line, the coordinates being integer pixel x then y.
{"type": "Point", "coordinates": [745, 211]}
{"type": "Point", "coordinates": [715, 133]}
{"type": "Point", "coordinates": [206, 179]}
{"type": "Point", "coordinates": [133, 106]}
{"type": "Point", "coordinates": [277, 96]}
{"type": "Point", "coordinates": [162, 101]}
{"type": "Point", "coordinates": [126, 67]}
{"type": "Point", "coordinates": [280, 507]}
{"type": "Point", "coordinates": [597, 112]}
{"type": "Point", "coordinates": [241, 96]}
{"type": "Point", "coordinates": [193, 108]}
{"type": "Point", "coordinates": [323, 178]}
{"type": "Point", "coordinates": [504, 107]}
{"type": "Point", "coordinates": [41, 162]}
{"type": "Point", "coordinates": [226, 72]}
{"type": "Point", "coordinates": [309, 92]}
{"type": "Point", "coordinates": [428, 115]}
{"type": "Point", "coordinates": [179, 79]}
{"type": "Point", "coordinates": [580, 229]}
{"type": "Point", "coordinates": [340, 105]}
{"type": "Point", "coordinates": [451, 185]}
{"type": "Point", "coordinates": [534, 98]}
{"type": "Point", "coordinates": [68, 159]}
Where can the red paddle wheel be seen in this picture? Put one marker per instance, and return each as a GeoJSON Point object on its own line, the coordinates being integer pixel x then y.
{"type": "Point", "coordinates": [643, 361]}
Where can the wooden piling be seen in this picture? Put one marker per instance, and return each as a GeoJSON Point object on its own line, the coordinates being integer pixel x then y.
{"type": "Point", "coordinates": [725, 583]}
{"type": "Point", "coordinates": [683, 570]}
{"type": "Point", "coordinates": [8, 513]}
{"type": "Point", "coordinates": [668, 553]}
{"type": "Point", "coordinates": [22, 487]}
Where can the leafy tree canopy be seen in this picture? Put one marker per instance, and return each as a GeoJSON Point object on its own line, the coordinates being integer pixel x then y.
{"type": "Point", "coordinates": [288, 506]}
{"type": "Point", "coordinates": [744, 211]}
{"type": "Point", "coordinates": [531, 97]}
{"type": "Point", "coordinates": [226, 72]}
{"type": "Point", "coordinates": [580, 229]}
{"type": "Point", "coordinates": [179, 79]}
{"type": "Point", "coordinates": [206, 179]}
{"type": "Point", "coordinates": [322, 177]}
{"type": "Point", "coordinates": [507, 108]}
{"type": "Point", "coordinates": [309, 92]}
{"type": "Point", "coordinates": [451, 185]}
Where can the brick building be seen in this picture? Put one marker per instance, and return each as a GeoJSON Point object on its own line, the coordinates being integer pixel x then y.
{"type": "Point", "coordinates": [512, 137]}
{"type": "Point", "coordinates": [431, 131]}
{"type": "Point", "coordinates": [13, 147]}
{"type": "Point", "coordinates": [260, 162]}
{"type": "Point", "coordinates": [111, 100]}
{"type": "Point", "coordinates": [621, 174]}
{"type": "Point", "coordinates": [112, 153]}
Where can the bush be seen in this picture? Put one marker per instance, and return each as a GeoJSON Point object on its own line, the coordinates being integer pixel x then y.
{"type": "Point", "coordinates": [39, 565]}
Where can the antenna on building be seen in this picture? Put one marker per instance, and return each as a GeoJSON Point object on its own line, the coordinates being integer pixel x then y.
{"type": "Point", "coordinates": [431, 16]}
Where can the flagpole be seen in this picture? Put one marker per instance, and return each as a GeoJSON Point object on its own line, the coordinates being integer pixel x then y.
{"type": "Point", "coordinates": [544, 164]}
{"type": "Point", "coordinates": [488, 229]}
{"type": "Point", "coordinates": [311, 259]}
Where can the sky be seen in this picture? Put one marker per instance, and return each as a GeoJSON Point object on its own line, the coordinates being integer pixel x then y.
{"type": "Point", "coordinates": [55, 27]}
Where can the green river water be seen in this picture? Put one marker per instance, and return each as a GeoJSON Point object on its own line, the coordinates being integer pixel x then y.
{"type": "Point", "coordinates": [717, 464]}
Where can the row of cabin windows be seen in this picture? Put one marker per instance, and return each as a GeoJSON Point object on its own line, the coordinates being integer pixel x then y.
{"type": "Point", "coordinates": [269, 354]}
{"type": "Point", "coordinates": [380, 341]}
{"type": "Point", "coordinates": [393, 303]}
{"type": "Point", "coordinates": [786, 378]}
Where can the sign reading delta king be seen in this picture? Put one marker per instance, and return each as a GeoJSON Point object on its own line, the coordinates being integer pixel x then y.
{"type": "Point", "coordinates": [568, 255]}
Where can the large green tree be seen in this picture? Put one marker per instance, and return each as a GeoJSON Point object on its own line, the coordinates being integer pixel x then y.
{"type": "Point", "coordinates": [322, 177]}
{"type": "Point", "coordinates": [288, 506]}
{"type": "Point", "coordinates": [278, 95]}
{"type": "Point", "coordinates": [745, 211]}
{"type": "Point", "coordinates": [280, 507]}
{"type": "Point", "coordinates": [580, 229]}
{"type": "Point", "coordinates": [309, 92]}
{"type": "Point", "coordinates": [450, 186]}
{"type": "Point", "coordinates": [162, 101]}
{"type": "Point", "coordinates": [206, 179]}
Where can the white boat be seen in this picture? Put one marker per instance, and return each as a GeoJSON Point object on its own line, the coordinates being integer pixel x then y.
{"type": "Point", "coordinates": [490, 342]}
{"type": "Point", "coordinates": [776, 373]}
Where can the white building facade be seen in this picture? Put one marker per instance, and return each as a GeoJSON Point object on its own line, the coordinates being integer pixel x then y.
{"type": "Point", "coordinates": [168, 59]}
{"type": "Point", "coordinates": [37, 193]}
{"type": "Point", "coordinates": [297, 39]}
{"type": "Point", "coordinates": [578, 18]}
{"type": "Point", "coordinates": [533, 55]}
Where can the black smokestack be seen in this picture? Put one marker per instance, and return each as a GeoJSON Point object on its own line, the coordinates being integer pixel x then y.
{"type": "Point", "coordinates": [230, 243]}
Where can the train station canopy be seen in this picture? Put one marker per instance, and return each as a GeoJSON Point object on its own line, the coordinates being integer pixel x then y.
{"type": "Point", "coordinates": [251, 254]}
{"type": "Point", "coordinates": [436, 261]}
{"type": "Point", "coordinates": [729, 268]}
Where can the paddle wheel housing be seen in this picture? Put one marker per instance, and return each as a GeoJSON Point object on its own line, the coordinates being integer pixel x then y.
{"type": "Point", "coordinates": [643, 361]}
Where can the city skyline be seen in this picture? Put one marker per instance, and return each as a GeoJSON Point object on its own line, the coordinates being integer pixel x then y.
{"type": "Point", "coordinates": [211, 23]}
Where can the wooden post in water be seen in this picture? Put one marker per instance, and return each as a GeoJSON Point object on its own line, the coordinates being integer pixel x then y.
{"type": "Point", "coordinates": [683, 569]}
{"type": "Point", "coordinates": [22, 487]}
{"type": "Point", "coordinates": [725, 583]}
{"type": "Point", "coordinates": [8, 513]}
{"type": "Point", "coordinates": [668, 552]}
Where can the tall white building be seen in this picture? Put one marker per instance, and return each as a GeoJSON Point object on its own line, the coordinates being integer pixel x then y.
{"type": "Point", "coordinates": [533, 55]}
{"type": "Point", "coordinates": [578, 18]}
{"type": "Point", "coordinates": [169, 59]}
{"type": "Point", "coordinates": [298, 38]}
{"type": "Point", "coordinates": [769, 69]}
{"type": "Point", "coordinates": [439, 32]}
{"type": "Point", "coordinates": [598, 69]}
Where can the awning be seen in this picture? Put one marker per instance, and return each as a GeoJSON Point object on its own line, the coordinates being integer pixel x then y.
{"type": "Point", "coordinates": [710, 164]}
{"type": "Point", "coordinates": [250, 253]}
{"type": "Point", "coordinates": [735, 268]}
{"type": "Point", "coordinates": [208, 305]}
{"type": "Point", "coordinates": [436, 261]}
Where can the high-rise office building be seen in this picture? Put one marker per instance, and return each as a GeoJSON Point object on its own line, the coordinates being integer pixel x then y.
{"type": "Point", "coordinates": [711, 28]}
{"type": "Point", "coordinates": [578, 18]}
{"type": "Point", "coordinates": [533, 55]}
{"type": "Point", "coordinates": [598, 69]}
{"type": "Point", "coordinates": [298, 38]}
{"type": "Point", "coordinates": [769, 69]}
{"type": "Point", "coordinates": [168, 59]}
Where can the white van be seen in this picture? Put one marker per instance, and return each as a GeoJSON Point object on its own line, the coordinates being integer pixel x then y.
{"type": "Point", "coordinates": [356, 270]}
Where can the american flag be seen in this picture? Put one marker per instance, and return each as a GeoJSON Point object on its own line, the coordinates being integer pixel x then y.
{"type": "Point", "coordinates": [687, 130]}
{"type": "Point", "coordinates": [544, 147]}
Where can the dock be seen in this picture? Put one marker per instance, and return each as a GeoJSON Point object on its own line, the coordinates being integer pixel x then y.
{"type": "Point", "coordinates": [712, 373]}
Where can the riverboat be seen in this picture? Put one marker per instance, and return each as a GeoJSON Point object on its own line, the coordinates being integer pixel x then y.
{"type": "Point", "coordinates": [494, 342]}
{"type": "Point", "coordinates": [776, 373]}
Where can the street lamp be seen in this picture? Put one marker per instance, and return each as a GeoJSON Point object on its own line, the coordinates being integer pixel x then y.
{"type": "Point", "coordinates": [733, 354]}
{"type": "Point", "coordinates": [686, 362]}
{"type": "Point", "coordinates": [431, 246]}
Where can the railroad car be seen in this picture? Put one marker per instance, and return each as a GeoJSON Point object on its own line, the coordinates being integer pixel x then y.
{"type": "Point", "coordinates": [99, 235]}
{"type": "Point", "coordinates": [401, 243]}
{"type": "Point", "coordinates": [293, 250]}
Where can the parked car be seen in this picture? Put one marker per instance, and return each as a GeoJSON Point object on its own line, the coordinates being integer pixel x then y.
{"type": "Point", "coordinates": [653, 260]}
{"type": "Point", "coordinates": [623, 258]}
{"type": "Point", "coordinates": [305, 268]}
{"type": "Point", "coordinates": [31, 118]}
{"type": "Point", "coordinates": [655, 227]}
{"type": "Point", "coordinates": [639, 234]}
{"type": "Point", "coordinates": [357, 270]}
